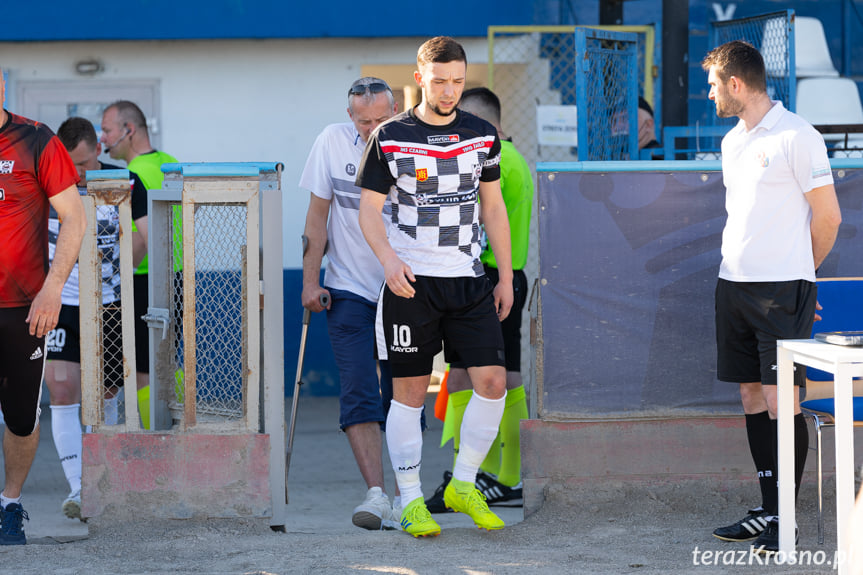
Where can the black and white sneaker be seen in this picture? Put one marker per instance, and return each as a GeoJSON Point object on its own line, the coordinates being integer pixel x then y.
{"type": "Point", "coordinates": [435, 503]}
{"type": "Point", "coordinates": [496, 493]}
{"type": "Point", "coordinates": [768, 541]}
{"type": "Point", "coordinates": [747, 529]}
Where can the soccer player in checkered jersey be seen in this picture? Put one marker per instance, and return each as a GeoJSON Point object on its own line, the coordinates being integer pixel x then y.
{"type": "Point", "coordinates": [434, 162]}
{"type": "Point", "coordinates": [783, 217]}
{"type": "Point", "coordinates": [35, 172]}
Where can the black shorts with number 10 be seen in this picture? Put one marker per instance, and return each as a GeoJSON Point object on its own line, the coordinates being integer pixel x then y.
{"type": "Point", "coordinates": [458, 311]}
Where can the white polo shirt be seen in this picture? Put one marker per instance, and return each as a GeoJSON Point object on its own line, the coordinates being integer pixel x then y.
{"type": "Point", "coordinates": [767, 173]}
{"type": "Point", "coordinates": [329, 174]}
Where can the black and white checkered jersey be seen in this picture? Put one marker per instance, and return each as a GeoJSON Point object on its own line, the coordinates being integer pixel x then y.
{"type": "Point", "coordinates": [432, 175]}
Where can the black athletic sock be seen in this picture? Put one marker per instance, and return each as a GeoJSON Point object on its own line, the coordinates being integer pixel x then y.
{"type": "Point", "coordinates": [801, 450]}
{"type": "Point", "coordinates": [761, 435]}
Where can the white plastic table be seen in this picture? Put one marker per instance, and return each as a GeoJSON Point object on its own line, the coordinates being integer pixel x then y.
{"type": "Point", "coordinates": [845, 363]}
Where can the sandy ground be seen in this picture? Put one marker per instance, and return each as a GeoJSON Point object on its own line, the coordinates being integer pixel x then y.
{"type": "Point", "coordinates": [603, 528]}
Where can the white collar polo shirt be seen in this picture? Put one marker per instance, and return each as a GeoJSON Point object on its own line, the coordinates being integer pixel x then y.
{"type": "Point", "coordinates": [330, 171]}
{"type": "Point", "coordinates": [767, 172]}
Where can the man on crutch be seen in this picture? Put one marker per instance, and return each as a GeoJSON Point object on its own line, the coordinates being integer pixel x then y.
{"type": "Point", "coordinates": [352, 281]}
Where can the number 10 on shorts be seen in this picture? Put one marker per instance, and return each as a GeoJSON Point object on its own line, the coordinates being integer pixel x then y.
{"type": "Point", "coordinates": [402, 339]}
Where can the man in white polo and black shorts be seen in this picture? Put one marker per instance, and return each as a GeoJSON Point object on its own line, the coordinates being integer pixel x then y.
{"type": "Point", "coordinates": [434, 162]}
{"type": "Point", "coordinates": [783, 217]}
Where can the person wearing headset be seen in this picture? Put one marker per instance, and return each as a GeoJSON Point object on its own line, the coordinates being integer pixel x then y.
{"type": "Point", "coordinates": [125, 137]}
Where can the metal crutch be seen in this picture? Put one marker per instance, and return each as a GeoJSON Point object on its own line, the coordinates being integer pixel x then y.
{"type": "Point", "coordinates": [298, 381]}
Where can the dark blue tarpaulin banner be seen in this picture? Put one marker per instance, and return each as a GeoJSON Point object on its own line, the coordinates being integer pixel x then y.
{"type": "Point", "coordinates": [627, 272]}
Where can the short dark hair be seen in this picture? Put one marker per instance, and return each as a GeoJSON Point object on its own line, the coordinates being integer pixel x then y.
{"type": "Point", "coordinates": [485, 103]}
{"type": "Point", "coordinates": [75, 130]}
{"type": "Point", "coordinates": [440, 49]}
{"type": "Point", "coordinates": [740, 59]}
{"type": "Point", "coordinates": [130, 113]}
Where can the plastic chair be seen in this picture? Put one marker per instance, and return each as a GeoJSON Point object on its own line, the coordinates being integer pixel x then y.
{"type": "Point", "coordinates": [829, 101]}
{"type": "Point", "coordinates": [842, 300]}
{"type": "Point", "coordinates": [811, 51]}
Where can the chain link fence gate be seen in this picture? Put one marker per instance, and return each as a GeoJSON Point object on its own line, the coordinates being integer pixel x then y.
{"type": "Point", "coordinates": [606, 95]}
{"type": "Point", "coordinates": [216, 359]}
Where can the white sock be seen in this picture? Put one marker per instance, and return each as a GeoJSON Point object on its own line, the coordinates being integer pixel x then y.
{"type": "Point", "coordinates": [405, 444]}
{"type": "Point", "coordinates": [5, 501]}
{"type": "Point", "coordinates": [397, 502]}
{"type": "Point", "coordinates": [478, 431]}
{"type": "Point", "coordinates": [111, 410]}
{"type": "Point", "coordinates": [66, 429]}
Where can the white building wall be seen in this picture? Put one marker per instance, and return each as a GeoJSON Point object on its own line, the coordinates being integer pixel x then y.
{"type": "Point", "coordinates": [233, 100]}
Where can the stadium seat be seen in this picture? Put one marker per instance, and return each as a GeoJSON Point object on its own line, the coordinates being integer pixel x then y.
{"type": "Point", "coordinates": [831, 101]}
{"type": "Point", "coordinates": [810, 49]}
{"type": "Point", "coordinates": [842, 300]}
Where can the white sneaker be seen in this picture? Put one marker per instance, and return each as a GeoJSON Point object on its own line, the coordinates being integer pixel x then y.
{"type": "Point", "coordinates": [372, 512]}
{"type": "Point", "coordinates": [72, 505]}
{"type": "Point", "coordinates": [395, 522]}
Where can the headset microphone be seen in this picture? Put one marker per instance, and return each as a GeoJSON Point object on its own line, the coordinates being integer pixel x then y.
{"type": "Point", "coordinates": [120, 139]}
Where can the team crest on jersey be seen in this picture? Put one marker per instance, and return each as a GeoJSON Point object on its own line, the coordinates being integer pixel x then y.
{"type": "Point", "coordinates": [762, 159]}
{"type": "Point", "coordinates": [448, 139]}
{"type": "Point", "coordinates": [350, 169]}
{"type": "Point", "coordinates": [422, 174]}
{"type": "Point", "coordinates": [6, 166]}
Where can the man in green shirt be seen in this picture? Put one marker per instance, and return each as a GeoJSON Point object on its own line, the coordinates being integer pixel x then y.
{"type": "Point", "coordinates": [504, 458]}
{"type": "Point", "coordinates": [125, 137]}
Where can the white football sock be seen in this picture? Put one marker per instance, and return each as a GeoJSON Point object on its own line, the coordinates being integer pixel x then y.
{"type": "Point", "coordinates": [478, 431]}
{"type": "Point", "coordinates": [66, 429]}
{"type": "Point", "coordinates": [405, 444]}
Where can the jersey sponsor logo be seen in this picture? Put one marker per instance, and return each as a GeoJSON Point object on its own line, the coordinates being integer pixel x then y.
{"type": "Point", "coordinates": [36, 354]}
{"type": "Point", "coordinates": [443, 153]}
{"type": "Point", "coordinates": [443, 139]}
{"type": "Point", "coordinates": [6, 166]}
{"type": "Point", "coordinates": [444, 200]}
{"type": "Point", "coordinates": [350, 169]}
{"type": "Point", "coordinates": [422, 174]}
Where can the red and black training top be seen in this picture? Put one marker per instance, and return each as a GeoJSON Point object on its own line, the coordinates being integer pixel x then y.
{"type": "Point", "coordinates": [34, 166]}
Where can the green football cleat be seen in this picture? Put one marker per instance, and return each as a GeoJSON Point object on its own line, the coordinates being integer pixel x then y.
{"type": "Point", "coordinates": [417, 520]}
{"type": "Point", "coordinates": [464, 497]}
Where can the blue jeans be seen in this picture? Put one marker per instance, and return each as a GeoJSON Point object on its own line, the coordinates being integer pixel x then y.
{"type": "Point", "coordinates": [351, 325]}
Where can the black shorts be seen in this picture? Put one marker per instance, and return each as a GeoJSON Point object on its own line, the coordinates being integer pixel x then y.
{"type": "Point", "coordinates": [750, 317]}
{"type": "Point", "coordinates": [458, 311]}
{"type": "Point", "coordinates": [64, 341]}
{"type": "Point", "coordinates": [142, 334]}
{"type": "Point", "coordinates": [511, 326]}
{"type": "Point", "coordinates": [22, 365]}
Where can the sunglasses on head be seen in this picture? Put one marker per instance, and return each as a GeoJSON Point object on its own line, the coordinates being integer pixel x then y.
{"type": "Point", "coordinates": [374, 88]}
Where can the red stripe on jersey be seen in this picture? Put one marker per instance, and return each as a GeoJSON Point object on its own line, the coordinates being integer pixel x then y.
{"type": "Point", "coordinates": [434, 151]}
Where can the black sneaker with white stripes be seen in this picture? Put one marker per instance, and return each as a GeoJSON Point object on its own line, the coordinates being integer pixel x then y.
{"type": "Point", "coordinates": [746, 529]}
{"type": "Point", "coordinates": [768, 541]}
{"type": "Point", "coordinates": [496, 493]}
{"type": "Point", "coordinates": [435, 503]}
